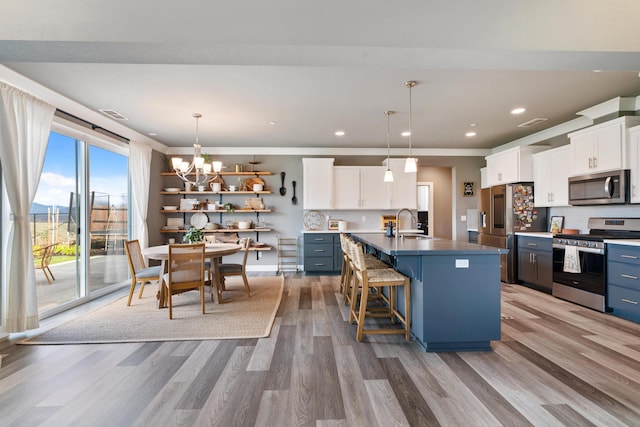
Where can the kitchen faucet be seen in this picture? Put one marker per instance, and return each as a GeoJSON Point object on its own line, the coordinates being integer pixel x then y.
{"type": "Point", "coordinates": [414, 218]}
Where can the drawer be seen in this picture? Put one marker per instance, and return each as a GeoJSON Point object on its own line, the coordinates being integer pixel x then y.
{"type": "Point", "coordinates": [319, 238]}
{"type": "Point", "coordinates": [621, 253]}
{"type": "Point", "coordinates": [625, 302]}
{"type": "Point", "coordinates": [535, 243]}
{"type": "Point", "coordinates": [318, 264]}
{"type": "Point", "coordinates": [623, 274]}
{"type": "Point", "coordinates": [318, 250]}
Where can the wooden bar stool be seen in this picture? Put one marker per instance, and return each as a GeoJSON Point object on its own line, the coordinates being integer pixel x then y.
{"type": "Point", "coordinates": [378, 278]}
{"type": "Point", "coordinates": [370, 260]}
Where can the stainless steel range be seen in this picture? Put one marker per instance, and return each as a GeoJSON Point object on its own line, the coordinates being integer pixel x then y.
{"type": "Point", "coordinates": [580, 260]}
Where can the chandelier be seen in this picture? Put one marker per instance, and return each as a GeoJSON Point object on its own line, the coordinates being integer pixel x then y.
{"type": "Point", "coordinates": [411, 165]}
{"type": "Point", "coordinates": [197, 169]}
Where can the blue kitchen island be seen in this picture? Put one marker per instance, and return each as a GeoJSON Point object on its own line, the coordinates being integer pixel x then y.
{"type": "Point", "coordinates": [455, 289]}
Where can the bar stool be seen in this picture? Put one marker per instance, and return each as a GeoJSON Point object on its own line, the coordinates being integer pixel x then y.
{"type": "Point", "coordinates": [379, 278]}
{"type": "Point", "coordinates": [370, 260]}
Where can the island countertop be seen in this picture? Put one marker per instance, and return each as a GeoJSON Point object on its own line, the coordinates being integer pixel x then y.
{"type": "Point", "coordinates": [407, 246]}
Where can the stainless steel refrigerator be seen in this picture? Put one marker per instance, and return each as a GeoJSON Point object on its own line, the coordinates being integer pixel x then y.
{"type": "Point", "coordinates": [502, 211]}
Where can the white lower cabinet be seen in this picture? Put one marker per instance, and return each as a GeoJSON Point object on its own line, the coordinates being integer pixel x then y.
{"type": "Point", "coordinates": [551, 172]}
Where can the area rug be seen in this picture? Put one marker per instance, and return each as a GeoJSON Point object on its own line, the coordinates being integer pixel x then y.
{"type": "Point", "coordinates": [238, 317]}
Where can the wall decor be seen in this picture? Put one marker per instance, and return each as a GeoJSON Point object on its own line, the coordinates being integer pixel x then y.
{"type": "Point", "coordinates": [334, 224]}
{"type": "Point", "coordinates": [556, 224]}
{"type": "Point", "coordinates": [467, 188]}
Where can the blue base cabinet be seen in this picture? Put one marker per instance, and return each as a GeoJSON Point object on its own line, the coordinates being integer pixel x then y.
{"type": "Point", "coordinates": [322, 252]}
{"type": "Point", "coordinates": [454, 308]}
{"type": "Point", "coordinates": [623, 280]}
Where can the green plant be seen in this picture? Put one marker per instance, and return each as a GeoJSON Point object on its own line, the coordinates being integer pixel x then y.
{"type": "Point", "coordinates": [228, 207]}
{"type": "Point", "coordinates": [194, 235]}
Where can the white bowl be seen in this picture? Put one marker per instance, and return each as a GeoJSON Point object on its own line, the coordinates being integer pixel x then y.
{"type": "Point", "coordinates": [170, 208]}
{"type": "Point", "coordinates": [171, 189]}
{"type": "Point", "coordinates": [244, 225]}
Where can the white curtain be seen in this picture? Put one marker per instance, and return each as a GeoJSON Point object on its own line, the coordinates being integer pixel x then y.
{"type": "Point", "coordinates": [140, 173]}
{"type": "Point", "coordinates": [25, 124]}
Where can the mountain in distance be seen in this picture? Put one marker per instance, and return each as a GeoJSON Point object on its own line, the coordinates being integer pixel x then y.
{"type": "Point", "coordinates": [37, 208]}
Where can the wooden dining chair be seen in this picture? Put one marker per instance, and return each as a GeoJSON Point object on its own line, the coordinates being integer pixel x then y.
{"type": "Point", "coordinates": [42, 257]}
{"type": "Point", "coordinates": [229, 269]}
{"type": "Point", "coordinates": [186, 272]}
{"type": "Point", "coordinates": [140, 273]}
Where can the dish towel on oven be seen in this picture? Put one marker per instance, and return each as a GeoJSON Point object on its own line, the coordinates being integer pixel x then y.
{"type": "Point", "coordinates": [571, 260]}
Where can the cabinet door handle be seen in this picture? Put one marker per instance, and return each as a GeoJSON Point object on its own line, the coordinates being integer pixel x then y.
{"type": "Point", "coordinates": [628, 256]}
{"type": "Point", "coordinates": [318, 265]}
{"type": "Point", "coordinates": [590, 162]}
{"type": "Point", "coordinates": [628, 276]}
{"type": "Point", "coordinates": [629, 301]}
{"type": "Point", "coordinates": [319, 250]}
{"type": "Point", "coordinates": [534, 257]}
{"type": "Point", "coordinates": [532, 244]}
{"type": "Point", "coordinates": [595, 162]}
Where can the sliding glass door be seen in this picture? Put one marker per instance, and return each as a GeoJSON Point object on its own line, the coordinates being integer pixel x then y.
{"type": "Point", "coordinates": [55, 220]}
{"type": "Point", "coordinates": [108, 217]}
{"type": "Point", "coordinates": [81, 207]}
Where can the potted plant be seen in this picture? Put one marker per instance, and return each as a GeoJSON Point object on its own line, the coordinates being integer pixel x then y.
{"type": "Point", "coordinates": [194, 235]}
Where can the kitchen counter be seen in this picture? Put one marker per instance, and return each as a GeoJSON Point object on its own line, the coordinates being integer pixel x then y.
{"type": "Point", "coordinates": [625, 242]}
{"type": "Point", "coordinates": [376, 231]}
{"type": "Point", "coordinates": [455, 289]}
{"type": "Point", "coordinates": [428, 247]}
{"type": "Point", "coordinates": [544, 234]}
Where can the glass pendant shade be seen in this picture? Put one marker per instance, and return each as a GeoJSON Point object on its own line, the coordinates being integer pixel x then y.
{"type": "Point", "coordinates": [411, 165]}
{"type": "Point", "coordinates": [388, 176]}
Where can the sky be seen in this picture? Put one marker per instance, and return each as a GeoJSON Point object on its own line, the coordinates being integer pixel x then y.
{"type": "Point", "coordinates": [108, 172]}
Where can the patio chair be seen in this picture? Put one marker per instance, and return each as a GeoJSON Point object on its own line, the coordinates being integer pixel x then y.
{"type": "Point", "coordinates": [43, 257]}
{"type": "Point", "coordinates": [140, 273]}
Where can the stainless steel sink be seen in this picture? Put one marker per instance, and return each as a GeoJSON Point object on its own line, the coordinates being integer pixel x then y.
{"type": "Point", "coordinates": [415, 236]}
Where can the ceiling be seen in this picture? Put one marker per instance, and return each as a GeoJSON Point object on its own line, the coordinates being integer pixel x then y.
{"type": "Point", "coordinates": [316, 67]}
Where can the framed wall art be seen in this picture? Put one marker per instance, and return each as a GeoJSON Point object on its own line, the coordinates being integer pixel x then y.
{"type": "Point", "coordinates": [468, 188]}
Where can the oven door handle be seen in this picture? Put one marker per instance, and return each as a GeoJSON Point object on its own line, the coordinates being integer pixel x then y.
{"type": "Point", "coordinates": [581, 249]}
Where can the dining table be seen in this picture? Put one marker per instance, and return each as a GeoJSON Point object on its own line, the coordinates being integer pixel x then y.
{"type": "Point", "coordinates": [212, 251]}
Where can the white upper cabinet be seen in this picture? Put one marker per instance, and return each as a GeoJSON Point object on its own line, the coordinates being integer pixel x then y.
{"type": "Point", "coordinates": [512, 165]}
{"type": "Point", "coordinates": [551, 172]}
{"type": "Point", "coordinates": [602, 147]}
{"type": "Point", "coordinates": [403, 191]}
{"type": "Point", "coordinates": [374, 192]}
{"type": "Point", "coordinates": [634, 145]}
{"type": "Point", "coordinates": [359, 187]}
{"type": "Point", "coordinates": [317, 183]}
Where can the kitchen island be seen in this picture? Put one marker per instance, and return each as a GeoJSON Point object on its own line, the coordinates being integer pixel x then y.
{"type": "Point", "coordinates": [455, 289]}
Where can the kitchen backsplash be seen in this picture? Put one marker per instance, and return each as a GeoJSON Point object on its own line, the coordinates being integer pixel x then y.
{"type": "Point", "coordinates": [578, 216]}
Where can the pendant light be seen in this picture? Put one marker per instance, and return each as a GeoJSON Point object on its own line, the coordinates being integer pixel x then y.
{"type": "Point", "coordinates": [411, 165]}
{"type": "Point", "coordinates": [388, 175]}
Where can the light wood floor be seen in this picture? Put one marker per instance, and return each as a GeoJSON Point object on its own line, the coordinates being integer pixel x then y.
{"type": "Point", "coordinates": [557, 364]}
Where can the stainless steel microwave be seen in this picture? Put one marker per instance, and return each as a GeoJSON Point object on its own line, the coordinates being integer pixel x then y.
{"type": "Point", "coordinates": [603, 188]}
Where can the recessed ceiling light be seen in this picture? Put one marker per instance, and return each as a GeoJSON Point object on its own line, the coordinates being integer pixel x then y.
{"type": "Point", "coordinates": [470, 134]}
{"type": "Point", "coordinates": [273, 123]}
{"type": "Point", "coordinates": [405, 133]}
{"type": "Point", "coordinates": [473, 124]}
{"type": "Point", "coordinates": [518, 110]}
{"type": "Point", "coordinates": [152, 134]}
{"type": "Point", "coordinates": [597, 71]}
{"type": "Point", "coordinates": [339, 133]}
